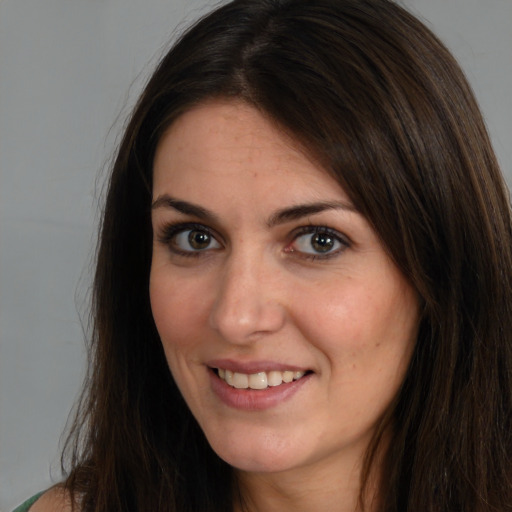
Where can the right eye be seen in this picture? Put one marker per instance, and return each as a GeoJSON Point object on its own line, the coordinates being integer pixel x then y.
{"type": "Point", "coordinates": [189, 240]}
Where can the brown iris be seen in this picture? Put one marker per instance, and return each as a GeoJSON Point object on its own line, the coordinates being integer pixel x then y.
{"type": "Point", "coordinates": [322, 242]}
{"type": "Point", "coordinates": [199, 239]}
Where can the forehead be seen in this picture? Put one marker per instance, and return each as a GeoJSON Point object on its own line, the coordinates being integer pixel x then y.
{"type": "Point", "coordinates": [226, 130]}
{"type": "Point", "coordinates": [234, 145]}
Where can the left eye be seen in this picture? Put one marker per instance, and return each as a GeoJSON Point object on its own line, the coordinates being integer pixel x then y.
{"type": "Point", "coordinates": [193, 240]}
{"type": "Point", "coordinates": [320, 242]}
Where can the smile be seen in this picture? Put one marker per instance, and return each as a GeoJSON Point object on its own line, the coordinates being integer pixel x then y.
{"type": "Point", "coordinates": [259, 380]}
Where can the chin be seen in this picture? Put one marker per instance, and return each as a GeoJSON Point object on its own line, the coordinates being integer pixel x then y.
{"type": "Point", "coordinates": [269, 454]}
{"type": "Point", "coordinates": [258, 464]}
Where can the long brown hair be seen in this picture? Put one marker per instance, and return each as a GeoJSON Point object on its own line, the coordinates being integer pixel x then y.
{"type": "Point", "coordinates": [373, 94]}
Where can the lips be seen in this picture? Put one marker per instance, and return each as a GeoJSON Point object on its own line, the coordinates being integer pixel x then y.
{"type": "Point", "coordinates": [259, 380]}
{"type": "Point", "coordinates": [256, 385]}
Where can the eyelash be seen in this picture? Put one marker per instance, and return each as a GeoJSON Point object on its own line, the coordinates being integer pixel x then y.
{"type": "Point", "coordinates": [171, 231]}
{"type": "Point", "coordinates": [341, 239]}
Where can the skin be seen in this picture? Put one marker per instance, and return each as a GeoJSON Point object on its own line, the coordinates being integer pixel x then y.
{"type": "Point", "coordinates": [55, 500]}
{"type": "Point", "coordinates": [259, 290]}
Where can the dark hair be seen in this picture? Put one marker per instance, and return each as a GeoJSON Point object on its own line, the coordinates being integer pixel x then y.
{"type": "Point", "coordinates": [378, 100]}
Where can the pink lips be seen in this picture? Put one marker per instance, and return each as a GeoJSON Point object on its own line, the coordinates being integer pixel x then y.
{"type": "Point", "coordinates": [252, 366]}
{"type": "Point", "coordinates": [250, 399]}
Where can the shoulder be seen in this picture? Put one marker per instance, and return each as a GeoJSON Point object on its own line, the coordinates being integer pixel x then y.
{"type": "Point", "coordinates": [54, 500]}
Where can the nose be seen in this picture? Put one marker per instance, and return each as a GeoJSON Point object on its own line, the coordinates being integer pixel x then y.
{"type": "Point", "coordinates": [248, 304]}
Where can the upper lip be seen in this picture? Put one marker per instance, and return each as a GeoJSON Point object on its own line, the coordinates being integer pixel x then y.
{"type": "Point", "coordinates": [250, 367]}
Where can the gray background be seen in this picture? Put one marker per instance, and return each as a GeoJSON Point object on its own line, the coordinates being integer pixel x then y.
{"type": "Point", "coordinates": [69, 72]}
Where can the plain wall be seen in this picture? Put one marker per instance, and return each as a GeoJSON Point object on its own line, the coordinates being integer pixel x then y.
{"type": "Point", "coordinates": [69, 71]}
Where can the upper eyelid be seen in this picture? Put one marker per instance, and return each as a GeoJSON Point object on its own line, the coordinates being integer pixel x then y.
{"type": "Point", "coordinates": [169, 229]}
{"type": "Point", "coordinates": [318, 228]}
{"type": "Point", "coordinates": [167, 236]}
{"type": "Point", "coordinates": [343, 240]}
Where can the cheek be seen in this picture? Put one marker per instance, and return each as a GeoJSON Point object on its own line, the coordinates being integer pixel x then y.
{"type": "Point", "coordinates": [336, 319]}
{"type": "Point", "coordinates": [362, 323]}
{"type": "Point", "coordinates": [176, 311]}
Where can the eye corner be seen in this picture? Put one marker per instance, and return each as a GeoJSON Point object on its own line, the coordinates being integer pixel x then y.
{"type": "Point", "coordinates": [179, 239]}
{"type": "Point", "coordinates": [317, 242]}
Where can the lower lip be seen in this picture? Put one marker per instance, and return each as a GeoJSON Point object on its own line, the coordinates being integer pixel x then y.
{"type": "Point", "coordinates": [255, 399]}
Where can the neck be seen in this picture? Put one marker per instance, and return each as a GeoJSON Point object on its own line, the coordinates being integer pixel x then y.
{"type": "Point", "coordinates": [319, 487]}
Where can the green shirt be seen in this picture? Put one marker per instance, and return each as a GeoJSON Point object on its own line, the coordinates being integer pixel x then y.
{"type": "Point", "coordinates": [24, 507]}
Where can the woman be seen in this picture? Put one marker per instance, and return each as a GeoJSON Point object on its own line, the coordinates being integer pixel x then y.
{"type": "Point", "coordinates": [302, 297]}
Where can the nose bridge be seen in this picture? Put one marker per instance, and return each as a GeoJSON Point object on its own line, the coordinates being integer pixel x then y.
{"type": "Point", "coordinates": [247, 303]}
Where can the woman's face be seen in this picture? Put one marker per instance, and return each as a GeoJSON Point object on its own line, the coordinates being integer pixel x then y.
{"type": "Point", "coordinates": [285, 324]}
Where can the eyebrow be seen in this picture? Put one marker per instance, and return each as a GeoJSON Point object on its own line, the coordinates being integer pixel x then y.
{"type": "Point", "coordinates": [280, 217]}
{"type": "Point", "coordinates": [184, 207]}
{"type": "Point", "coordinates": [303, 210]}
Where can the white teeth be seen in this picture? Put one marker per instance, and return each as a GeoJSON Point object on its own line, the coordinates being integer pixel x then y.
{"type": "Point", "coordinates": [275, 378]}
{"type": "Point", "coordinates": [260, 380]}
{"type": "Point", "coordinates": [287, 376]}
{"type": "Point", "coordinates": [240, 380]}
